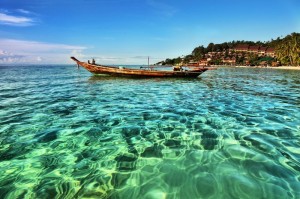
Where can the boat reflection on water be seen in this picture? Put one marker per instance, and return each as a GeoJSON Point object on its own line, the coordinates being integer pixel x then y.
{"type": "Point", "coordinates": [94, 79]}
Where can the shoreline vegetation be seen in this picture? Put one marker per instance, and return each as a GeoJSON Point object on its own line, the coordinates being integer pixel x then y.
{"type": "Point", "coordinates": [283, 52]}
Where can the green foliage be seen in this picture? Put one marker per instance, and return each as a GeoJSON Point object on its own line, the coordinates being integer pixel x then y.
{"type": "Point", "coordinates": [199, 52]}
{"type": "Point", "coordinates": [174, 61]}
{"type": "Point", "coordinates": [188, 58]}
{"type": "Point", "coordinates": [216, 62]}
{"type": "Point", "coordinates": [253, 59]}
{"type": "Point", "coordinates": [240, 60]}
{"type": "Point", "coordinates": [287, 51]}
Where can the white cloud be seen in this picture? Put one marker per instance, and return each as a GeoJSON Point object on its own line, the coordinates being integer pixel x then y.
{"type": "Point", "coordinates": [15, 20]}
{"type": "Point", "coordinates": [22, 51]}
{"type": "Point", "coordinates": [77, 53]}
{"type": "Point", "coordinates": [23, 11]}
{"type": "Point", "coordinates": [14, 51]}
{"type": "Point", "coordinates": [7, 57]}
{"type": "Point", "coordinates": [39, 59]}
{"type": "Point", "coordinates": [35, 46]}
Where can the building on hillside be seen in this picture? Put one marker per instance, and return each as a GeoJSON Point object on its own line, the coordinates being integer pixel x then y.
{"type": "Point", "coordinates": [241, 48]}
{"type": "Point", "coordinates": [229, 61]}
{"type": "Point", "coordinates": [247, 63]}
{"type": "Point", "coordinates": [275, 63]}
{"type": "Point", "coordinates": [211, 54]}
{"type": "Point", "coordinates": [263, 63]}
{"type": "Point", "coordinates": [262, 51]}
{"type": "Point", "coordinates": [193, 63]}
{"type": "Point", "coordinates": [270, 52]}
{"type": "Point", "coordinates": [253, 49]}
{"type": "Point", "coordinates": [203, 62]}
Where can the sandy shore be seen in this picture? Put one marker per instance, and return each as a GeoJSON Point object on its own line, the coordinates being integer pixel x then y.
{"type": "Point", "coordinates": [286, 67]}
{"type": "Point", "coordinates": [279, 67]}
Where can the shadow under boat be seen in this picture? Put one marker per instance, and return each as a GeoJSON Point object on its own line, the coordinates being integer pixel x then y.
{"type": "Point", "coordinates": [105, 78]}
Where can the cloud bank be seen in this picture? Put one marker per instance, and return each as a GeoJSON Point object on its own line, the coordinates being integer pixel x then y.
{"type": "Point", "coordinates": [22, 51]}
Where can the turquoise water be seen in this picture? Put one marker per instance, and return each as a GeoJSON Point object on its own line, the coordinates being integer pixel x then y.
{"type": "Point", "coordinates": [233, 133]}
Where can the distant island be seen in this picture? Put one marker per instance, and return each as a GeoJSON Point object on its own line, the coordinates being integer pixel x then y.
{"type": "Point", "coordinates": [279, 52]}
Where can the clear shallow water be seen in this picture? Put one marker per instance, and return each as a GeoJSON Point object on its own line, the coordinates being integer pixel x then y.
{"type": "Point", "coordinates": [233, 133]}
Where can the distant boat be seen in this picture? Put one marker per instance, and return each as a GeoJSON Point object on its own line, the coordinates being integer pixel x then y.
{"type": "Point", "coordinates": [148, 72]}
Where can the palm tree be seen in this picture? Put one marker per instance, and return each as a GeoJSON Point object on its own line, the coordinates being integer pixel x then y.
{"type": "Point", "coordinates": [288, 50]}
{"type": "Point", "coordinates": [295, 48]}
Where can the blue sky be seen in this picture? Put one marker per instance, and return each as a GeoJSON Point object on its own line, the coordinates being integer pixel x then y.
{"type": "Point", "coordinates": [127, 31]}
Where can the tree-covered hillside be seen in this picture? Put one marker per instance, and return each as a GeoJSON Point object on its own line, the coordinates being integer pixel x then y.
{"type": "Point", "coordinates": [287, 51]}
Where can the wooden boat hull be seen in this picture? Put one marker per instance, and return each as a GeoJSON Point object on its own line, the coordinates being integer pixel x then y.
{"type": "Point", "coordinates": [120, 71]}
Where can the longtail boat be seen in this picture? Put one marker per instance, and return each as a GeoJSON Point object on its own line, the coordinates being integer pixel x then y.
{"type": "Point", "coordinates": [148, 72]}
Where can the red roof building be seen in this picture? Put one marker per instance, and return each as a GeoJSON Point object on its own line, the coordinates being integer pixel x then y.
{"type": "Point", "coordinates": [262, 50]}
{"type": "Point", "coordinates": [253, 49]}
{"type": "Point", "coordinates": [193, 63]}
{"type": "Point", "coordinates": [241, 48]}
{"type": "Point", "coordinates": [270, 52]}
{"type": "Point", "coordinates": [203, 62]}
{"type": "Point", "coordinates": [229, 61]}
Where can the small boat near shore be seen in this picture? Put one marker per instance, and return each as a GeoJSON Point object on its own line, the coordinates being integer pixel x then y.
{"type": "Point", "coordinates": [142, 72]}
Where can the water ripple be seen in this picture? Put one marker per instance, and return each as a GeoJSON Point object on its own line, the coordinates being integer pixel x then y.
{"type": "Point", "coordinates": [233, 133]}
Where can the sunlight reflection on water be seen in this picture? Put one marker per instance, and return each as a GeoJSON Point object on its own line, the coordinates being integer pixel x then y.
{"type": "Point", "coordinates": [232, 133]}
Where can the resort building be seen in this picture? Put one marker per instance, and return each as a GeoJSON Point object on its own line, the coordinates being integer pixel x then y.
{"type": "Point", "coordinates": [241, 48]}
{"type": "Point", "coordinates": [240, 54]}
{"type": "Point", "coordinates": [253, 49]}
{"type": "Point", "coordinates": [204, 62]}
{"type": "Point", "coordinates": [229, 61]}
{"type": "Point", "coordinates": [193, 63]}
{"type": "Point", "coordinates": [260, 50]}
{"type": "Point", "coordinates": [270, 52]}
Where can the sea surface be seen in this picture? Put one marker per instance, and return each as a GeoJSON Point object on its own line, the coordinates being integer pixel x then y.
{"type": "Point", "coordinates": [232, 133]}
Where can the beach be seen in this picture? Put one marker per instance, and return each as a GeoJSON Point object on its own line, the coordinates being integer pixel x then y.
{"type": "Point", "coordinates": [268, 67]}
{"type": "Point", "coordinates": [285, 67]}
